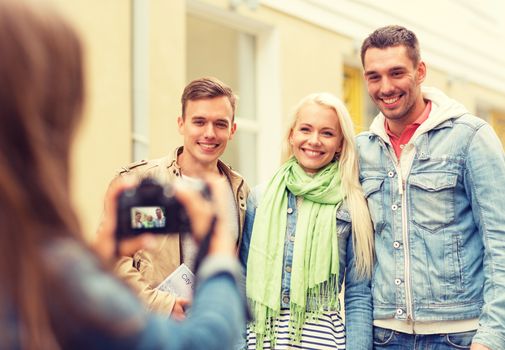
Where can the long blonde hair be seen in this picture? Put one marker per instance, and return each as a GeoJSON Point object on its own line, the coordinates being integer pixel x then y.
{"type": "Point", "coordinates": [362, 230]}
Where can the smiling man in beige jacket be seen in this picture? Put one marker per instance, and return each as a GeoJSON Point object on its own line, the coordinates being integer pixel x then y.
{"type": "Point", "coordinates": [206, 124]}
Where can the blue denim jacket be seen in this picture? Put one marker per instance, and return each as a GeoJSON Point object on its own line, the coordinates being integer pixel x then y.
{"type": "Point", "coordinates": [439, 219]}
{"type": "Point", "coordinates": [105, 314]}
{"type": "Point", "coordinates": [357, 291]}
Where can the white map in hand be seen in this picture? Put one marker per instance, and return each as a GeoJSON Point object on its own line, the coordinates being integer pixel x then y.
{"type": "Point", "coordinates": [180, 282]}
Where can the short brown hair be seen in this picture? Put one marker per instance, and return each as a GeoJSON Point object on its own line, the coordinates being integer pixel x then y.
{"type": "Point", "coordinates": [206, 88]}
{"type": "Point", "coordinates": [390, 36]}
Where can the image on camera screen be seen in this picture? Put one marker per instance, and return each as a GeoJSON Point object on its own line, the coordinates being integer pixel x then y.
{"type": "Point", "coordinates": [147, 217]}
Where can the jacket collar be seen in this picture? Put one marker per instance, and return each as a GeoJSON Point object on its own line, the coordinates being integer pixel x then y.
{"type": "Point", "coordinates": [236, 180]}
{"type": "Point", "coordinates": [223, 168]}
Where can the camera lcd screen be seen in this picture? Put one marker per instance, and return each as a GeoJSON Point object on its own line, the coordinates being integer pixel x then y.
{"type": "Point", "coordinates": [148, 218]}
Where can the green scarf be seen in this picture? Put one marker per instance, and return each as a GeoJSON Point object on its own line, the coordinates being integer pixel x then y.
{"type": "Point", "coordinates": [315, 270]}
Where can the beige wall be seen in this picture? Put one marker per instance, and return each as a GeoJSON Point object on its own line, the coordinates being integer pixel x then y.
{"type": "Point", "coordinates": [322, 61]}
{"type": "Point", "coordinates": [103, 140]}
{"type": "Point", "coordinates": [485, 98]}
{"type": "Point", "coordinates": [436, 78]}
{"type": "Point", "coordinates": [471, 95]}
{"type": "Point", "coordinates": [167, 73]}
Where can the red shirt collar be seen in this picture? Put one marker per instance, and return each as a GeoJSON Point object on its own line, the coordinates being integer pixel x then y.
{"type": "Point", "coordinates": [421, 119]}
{"type": "Point", "coordinates": [398, 142]}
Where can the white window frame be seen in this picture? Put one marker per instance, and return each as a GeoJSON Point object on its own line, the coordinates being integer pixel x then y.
{"type": "Point", "coordinates": [140, 80]}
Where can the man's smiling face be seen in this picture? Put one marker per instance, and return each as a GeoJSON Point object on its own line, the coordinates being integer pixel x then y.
{"type": "Point", "coordinates": [394, 83]}
{"type": "Point", "coordinates": [207, 127]}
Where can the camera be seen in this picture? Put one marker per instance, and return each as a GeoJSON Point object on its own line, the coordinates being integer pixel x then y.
{"type": "Point", "coordinates": [152, 207]}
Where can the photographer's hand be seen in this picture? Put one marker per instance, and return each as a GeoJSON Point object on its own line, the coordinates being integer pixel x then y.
{"type": "Point", "coordinates": [105, 244]}
{"type": "Point", "coordinates": [202, 212]}
{"type": "Point", "coordinates": [178, 312]}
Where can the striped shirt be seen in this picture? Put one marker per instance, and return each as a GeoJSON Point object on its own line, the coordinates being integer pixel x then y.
{"type": "Point", "coordinates": [325, 333]}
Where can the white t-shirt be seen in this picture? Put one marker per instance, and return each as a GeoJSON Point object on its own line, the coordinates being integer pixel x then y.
{"type": "Point", "coordinates": [189, 246]}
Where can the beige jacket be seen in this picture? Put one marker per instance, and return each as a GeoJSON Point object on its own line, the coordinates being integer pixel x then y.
{"type": "Point", "coordinates": [147, 269]}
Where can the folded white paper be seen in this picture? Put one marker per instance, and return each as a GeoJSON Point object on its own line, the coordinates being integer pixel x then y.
{"type": "Point", "coordinates": [180, 282]}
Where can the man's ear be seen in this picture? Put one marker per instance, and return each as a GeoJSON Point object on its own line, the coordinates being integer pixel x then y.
{"type": "Point", "coordinates": [233, 130]}
{"type": "Point", "coordinates": [180, 124]}
{"type": "Point", "coordinates": [421, 72]}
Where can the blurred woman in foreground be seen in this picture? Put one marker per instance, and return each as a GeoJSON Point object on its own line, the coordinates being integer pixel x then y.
{"type": "Point", "coordinates": [55, 293]}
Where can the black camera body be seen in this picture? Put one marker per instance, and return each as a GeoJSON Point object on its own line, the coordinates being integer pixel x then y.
{"type": "Point", "coordinates": [151, 207]}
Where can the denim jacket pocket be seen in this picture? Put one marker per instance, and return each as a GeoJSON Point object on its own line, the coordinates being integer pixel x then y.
{"type": "Point", "coordinates": [432, 199]}
{"type": "Point", "coordinates": [372, 190]}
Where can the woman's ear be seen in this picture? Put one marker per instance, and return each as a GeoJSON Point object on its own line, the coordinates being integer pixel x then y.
{"type": "Point", "coordinates": [340, 146]}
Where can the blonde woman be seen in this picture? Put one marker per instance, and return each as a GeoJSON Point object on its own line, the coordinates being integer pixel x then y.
{"type": "Point", "coordinates": [305, 230]}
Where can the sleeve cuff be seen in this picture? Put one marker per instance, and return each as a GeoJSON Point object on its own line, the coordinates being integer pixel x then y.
{"type": "Point", "coordinates": [216, 264]}
{"type": "Point", "coordinates": [493, 340]}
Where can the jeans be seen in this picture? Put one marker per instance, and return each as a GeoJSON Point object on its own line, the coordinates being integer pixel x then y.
{"type": "Point", "coordinates": [392, 340]}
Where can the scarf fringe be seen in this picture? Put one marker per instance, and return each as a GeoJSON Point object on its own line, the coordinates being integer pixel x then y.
{"type": "Point", "coordinates": [263, 329]}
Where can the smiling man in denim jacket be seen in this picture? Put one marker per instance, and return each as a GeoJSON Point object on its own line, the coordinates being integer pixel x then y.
{"type": "Point", "coordinates": [433, 175]}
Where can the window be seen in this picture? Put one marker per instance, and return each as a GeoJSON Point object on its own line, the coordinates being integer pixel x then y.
{"type": "Point", "coordinates": [356, 98]}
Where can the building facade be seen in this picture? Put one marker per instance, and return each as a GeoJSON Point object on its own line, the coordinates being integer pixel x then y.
{"type": "Point", "coordinates": [141, 53]}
